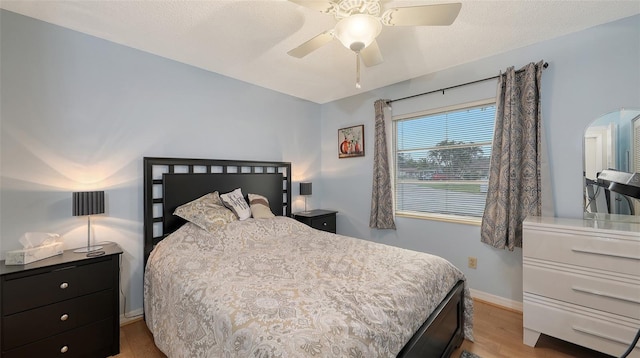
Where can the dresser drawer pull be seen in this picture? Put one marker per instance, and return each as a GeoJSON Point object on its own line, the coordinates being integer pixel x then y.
{"type": "Point", "coordinates": [64, 285]}
{"type": "Point", "coordinates": [585, 251]}
{"type": "Point", "coordinates": [599, 335]}
{"type": "Point", "coordinates": [64, 317]}
{"type": "Point", "coordinates": [324, 223]}
{"type": "Point", "coordinates": [64, 349]}
{"type": "Point", "coordinates": [603, 294]}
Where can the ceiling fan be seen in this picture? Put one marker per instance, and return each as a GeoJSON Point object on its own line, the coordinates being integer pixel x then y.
{"type": "Point", "coordinates": [360, 22]}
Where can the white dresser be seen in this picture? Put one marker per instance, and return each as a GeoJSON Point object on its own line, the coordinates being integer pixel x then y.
{"type": "Point", "coordinates": [581, 282]}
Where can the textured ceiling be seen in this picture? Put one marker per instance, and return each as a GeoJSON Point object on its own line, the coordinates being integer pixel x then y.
{"type": "Point", "coordinates": [249, 39]}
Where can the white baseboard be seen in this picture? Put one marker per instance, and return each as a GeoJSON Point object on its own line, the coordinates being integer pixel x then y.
{"type": "Point", "coordinates": [131, 316]}
{"type": "Point", "coordinates": [496, 300]}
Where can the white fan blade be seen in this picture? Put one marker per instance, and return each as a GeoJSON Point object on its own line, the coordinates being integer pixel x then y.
{"type": "Point", "coordinates": [311, 45]}
{"type": "Point", "coordinates": [426, 15]}
{"type": "Point", "coordinates": [371, 55]}
{"type": "Point", "coordinates": [326, 6]}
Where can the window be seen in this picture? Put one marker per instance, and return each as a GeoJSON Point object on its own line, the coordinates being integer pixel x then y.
{"type": "Point", "coordinates": [442, 162]}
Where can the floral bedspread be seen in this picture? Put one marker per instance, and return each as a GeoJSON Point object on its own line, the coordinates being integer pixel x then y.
{"type": "Point", "coordinates": [278, 288]}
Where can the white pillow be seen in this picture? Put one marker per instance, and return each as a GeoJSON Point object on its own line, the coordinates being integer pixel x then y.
{"type": "Point", "coordinates": [234, 200]}
{"type": "Point", "coordinates": [259, 206]}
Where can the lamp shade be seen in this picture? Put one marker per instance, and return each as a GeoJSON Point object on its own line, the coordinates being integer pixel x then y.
{"type": "Point", "coordinates": [357, 31]}
{"type": "Point", "coordinates": [88, 203]}
{"type": "Point", "coordinates": [305, 188]}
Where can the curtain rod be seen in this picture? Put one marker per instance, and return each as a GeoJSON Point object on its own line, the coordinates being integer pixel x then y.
{"type": "Point", "coordinates": [544, 65]}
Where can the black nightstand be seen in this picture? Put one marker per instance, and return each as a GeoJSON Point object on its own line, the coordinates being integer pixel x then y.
{"type": "Point", "coordinates": [318, 219]}
{"type": "Point", "coordinates": [65, 305]}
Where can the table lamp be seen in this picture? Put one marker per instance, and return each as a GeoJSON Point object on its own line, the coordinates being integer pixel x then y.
{"type": "Point", "coordinates": [305, 190]}
{"type": "Point", "coordinates": [87, 203]}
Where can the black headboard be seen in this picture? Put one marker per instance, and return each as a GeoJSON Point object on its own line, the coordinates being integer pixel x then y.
{"type": "Point", "coordinates": [171, 182]}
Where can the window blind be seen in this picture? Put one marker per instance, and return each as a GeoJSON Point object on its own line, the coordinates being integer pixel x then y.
{"type": "Point", "coordinates": [442, 161]}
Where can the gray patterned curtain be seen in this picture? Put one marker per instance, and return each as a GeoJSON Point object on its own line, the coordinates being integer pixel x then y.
{"type": "Point", "coordinates": [381, 198]}
{"type": "Point", "coordinates": [514, 178]}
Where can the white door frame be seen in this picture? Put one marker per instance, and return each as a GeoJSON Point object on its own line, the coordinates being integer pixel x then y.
{"type": "Point", "coordinates": [600, 154]}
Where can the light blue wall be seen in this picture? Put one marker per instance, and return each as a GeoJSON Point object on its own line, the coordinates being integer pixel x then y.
{"type": "Point", "coordinates": [80, 113]}
{"type": "Point", "coordinates": [591, 72]}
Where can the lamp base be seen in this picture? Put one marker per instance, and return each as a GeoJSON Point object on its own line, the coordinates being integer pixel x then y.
{"type": "Point", "coordinates": [88, 249]}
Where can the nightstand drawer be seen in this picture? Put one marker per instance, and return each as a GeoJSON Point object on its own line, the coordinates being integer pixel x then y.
{"type": "Point", "coordinates": [318, 219]}
{"type": "Point", "coordinates": [33, 325]}
{"type": "Point", "coordinates": [23, 293]}
{"type": "Point", "coordinates": [94, 340]}
{"type": "Point", "coordinates": [326, 223]}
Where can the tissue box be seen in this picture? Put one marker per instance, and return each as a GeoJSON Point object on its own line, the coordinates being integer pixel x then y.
{"type": "Point", "coordinates": [26, 256]}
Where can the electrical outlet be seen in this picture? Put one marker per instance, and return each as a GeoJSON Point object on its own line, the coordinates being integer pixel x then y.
{"type": "Point", "coordinates": [473, 262]}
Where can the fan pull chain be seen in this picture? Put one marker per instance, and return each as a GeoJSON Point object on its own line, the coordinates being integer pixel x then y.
{"type": "Point", "coordinates": [358, 69]}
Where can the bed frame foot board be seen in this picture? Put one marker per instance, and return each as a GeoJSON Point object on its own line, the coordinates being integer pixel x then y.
{"type": "Point", "coordinates": [443, 331]}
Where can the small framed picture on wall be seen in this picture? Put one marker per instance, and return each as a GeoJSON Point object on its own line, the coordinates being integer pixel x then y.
{"type": "Point", "coordinates": [351, 142]}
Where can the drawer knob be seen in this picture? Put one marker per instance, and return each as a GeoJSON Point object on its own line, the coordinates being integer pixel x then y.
{"type": "Point", "coordinates": [324, 223]}
{"type": "Point", "coordinates": [64, 349]}
{"type": "Point", "coordinates": [64, 317]}
{"type": "Point", "coordinates": [64, 285]}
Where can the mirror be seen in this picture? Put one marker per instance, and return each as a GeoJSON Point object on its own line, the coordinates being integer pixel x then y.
{"type": "Point", "coordinates": [612, 145]}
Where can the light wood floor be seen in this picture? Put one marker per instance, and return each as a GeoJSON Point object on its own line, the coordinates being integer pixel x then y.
{"type": "Point", "coordinates": [498, 333]}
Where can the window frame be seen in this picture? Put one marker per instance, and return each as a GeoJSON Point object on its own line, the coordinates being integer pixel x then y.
{"type": "Point", "coordinates": [469, 220]}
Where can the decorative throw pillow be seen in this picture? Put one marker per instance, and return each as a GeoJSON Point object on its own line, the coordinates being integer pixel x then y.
{"type": "Point", "coordinates": [207, 212]}
{"type": "Point", "coordinates": [234, 200]}
{"type": "Point", "coordinates": [259, 206]}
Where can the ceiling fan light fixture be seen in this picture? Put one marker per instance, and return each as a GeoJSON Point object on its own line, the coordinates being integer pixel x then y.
{"type": "Point", "coordinates": [358, 31]}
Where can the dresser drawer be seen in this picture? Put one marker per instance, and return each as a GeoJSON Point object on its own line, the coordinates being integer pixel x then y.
{"type": "Point", "coordinates": [326, 223]}
{"type": "Point", "coordinates": [600, 331]}
{"type": "Point", "coordinates": [596, 251]}
{"type": "Point", "coordinates": [23, 293]}
{"type": "Point", "coordinates": [30, 326]}
{"type": "Point", "coordinates": [94, 340]}
{"type": "Point", "coordinates": [590, 288]}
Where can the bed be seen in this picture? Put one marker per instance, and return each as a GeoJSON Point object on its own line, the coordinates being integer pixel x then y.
{"type": "Point", "coordinates": [274, 287]}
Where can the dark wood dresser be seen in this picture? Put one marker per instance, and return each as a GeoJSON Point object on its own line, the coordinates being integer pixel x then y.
{"type": "Point", "coordinates": [318, 219]}
{"type": "Point", "coordinates": [66, 305]}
